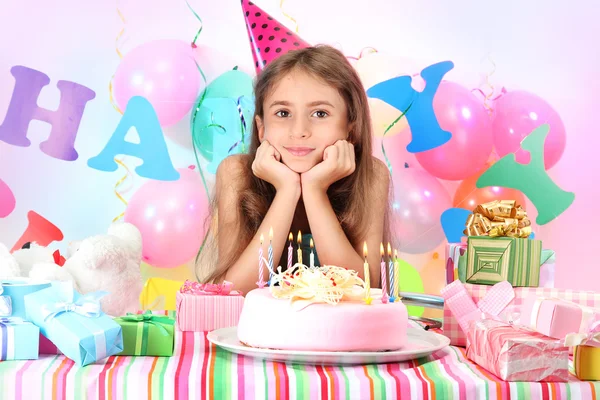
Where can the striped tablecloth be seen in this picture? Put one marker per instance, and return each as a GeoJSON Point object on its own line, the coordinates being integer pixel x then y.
{"type": "Point", "coordinates": [199, 370]}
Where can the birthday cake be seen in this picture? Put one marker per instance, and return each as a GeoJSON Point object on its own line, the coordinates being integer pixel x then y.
{"type": "Point", "coordinates": [321, 309]}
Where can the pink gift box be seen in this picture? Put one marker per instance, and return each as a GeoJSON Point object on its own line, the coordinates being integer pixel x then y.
{"type": "Point", "coordinates": [207, 312]}
{"type": "Point", "coordinates": [556, 318]}
{"type": "Point", "coordinates": [514, 354]}
{"type": "Point", "coordinates": [477, 292]}
{"type": "Point", "coordinates": [47, 347]}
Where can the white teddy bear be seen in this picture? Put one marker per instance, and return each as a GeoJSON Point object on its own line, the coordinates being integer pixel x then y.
{"type": "Point", "coordinates": [108, 262]}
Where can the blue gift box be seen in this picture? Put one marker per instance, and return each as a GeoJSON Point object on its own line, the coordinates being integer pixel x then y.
{"type": "Point", "coordinates": [74, 323]}
{"type": "Point", "coordinates": [17, 289]}
{"type": "Point", "coordinates": [19, 339]}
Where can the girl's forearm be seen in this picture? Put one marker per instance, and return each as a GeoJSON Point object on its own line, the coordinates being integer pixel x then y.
{"type": "Point", "coordinates": [331, 242]}
{"type": "Point", "coordinates": [244, 272]}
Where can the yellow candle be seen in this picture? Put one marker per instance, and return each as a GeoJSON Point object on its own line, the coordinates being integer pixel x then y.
{"type": "Point", "coordinates": [397, 274]}
{"type": "Point", "coordinates": [299, 247]}
{"type": "Point", "coordinates": [367, 278]}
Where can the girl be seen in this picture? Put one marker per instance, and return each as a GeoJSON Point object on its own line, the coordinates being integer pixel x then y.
{"type": "Point", "coordinates": [309, 168]}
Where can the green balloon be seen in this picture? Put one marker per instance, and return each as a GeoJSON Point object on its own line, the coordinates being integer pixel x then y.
{"type": "Point", "coordinates": [410, 281]}
{"type": "Point", "coordinates": [232, 84]}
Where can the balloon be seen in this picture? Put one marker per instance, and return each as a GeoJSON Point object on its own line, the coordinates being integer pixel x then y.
{"type": "Point", "coordinates": [7, 200]}
{"type": "Point", "coordinates": [218, 114]}
{"type": "Point", "coordinates": [468, 196]}
{"type": "Point", "coordinates": [410, 281]}
{"type": "Point", "coordinates": [419, 201]}
{"type": "Point", "coordinates": [179, 273]}
{"type": "Point", "coordinates": [433, 275]}
{"type": "Point", "coordinates": [165, 73]}
{"type": "Point", "coordinates": [461, 113]}
{"type": "Point", "coordinates": [517, 114]}
{"type": "Point", "coordinates": [395, 149]}
{"type": "Point", "coordinates": [170, 216]}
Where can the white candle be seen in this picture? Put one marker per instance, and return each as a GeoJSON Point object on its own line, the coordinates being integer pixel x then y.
{"type": "Point", "coordinates": [312, 255]}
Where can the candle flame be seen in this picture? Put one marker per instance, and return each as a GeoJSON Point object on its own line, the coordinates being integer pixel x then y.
{"type": "Point", "coordinates": [271, 233]}
{"type": "Point", "coordinates": [299, 238]}
{"type": "Point", "coordinates": [389, 249]}
{"type": "Point", "coordinates": [291, 237]}
{"type": "Point", "coordinates": [311, 243]}
{"type": "Point", "coordinates": [365, 252]}
{"type": "Point", "coordinates": [381, 250]}
{"type": "Point", "coordinates": [262, 238]}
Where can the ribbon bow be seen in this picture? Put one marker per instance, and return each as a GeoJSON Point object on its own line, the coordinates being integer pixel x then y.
{"type": "Point", "coordinates": [591, 338]}
{"type": "Point", "coordinates": [149, 318]}
{"type": "Point", "coordinates": [208, 289]}
{"type": "Point", "coordinates": [87, 306]}
{"type": "Point", "coordinates": [464, 309]}
{"type": "Point", "coordinates": [499, 218]}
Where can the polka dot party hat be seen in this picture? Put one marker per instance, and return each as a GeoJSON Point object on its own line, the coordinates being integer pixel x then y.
{"type": "Point", "coordinates": [268, 38]}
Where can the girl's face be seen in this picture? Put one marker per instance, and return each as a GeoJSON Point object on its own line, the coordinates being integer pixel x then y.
{"type": "Point", "coordinates": [302, 116]}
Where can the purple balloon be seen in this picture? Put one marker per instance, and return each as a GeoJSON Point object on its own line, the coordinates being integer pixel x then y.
{"type": "Point", "coordinates": [419, 201]}
{"type": "Point", "coordinates": [170, 216]}
{"type": "Point", "coordinates": [165, 73]}
{"type": "Point", "coordinates": [517, 114]}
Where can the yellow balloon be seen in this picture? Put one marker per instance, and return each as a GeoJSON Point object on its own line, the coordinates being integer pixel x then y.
{"type": "Point", "coordinates": [382, 116]}
{"type": "Point", "coordinates": [410, 281]}
{"type": "Point", "coordinates": [180, 273]}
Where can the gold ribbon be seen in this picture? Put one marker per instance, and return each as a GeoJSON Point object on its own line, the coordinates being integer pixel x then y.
{"type": "Point", "coordinates": [499, 218]}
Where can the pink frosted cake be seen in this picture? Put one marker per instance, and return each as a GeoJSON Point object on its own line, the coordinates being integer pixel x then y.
{"type": "Point", "coordinates": [321, 309]}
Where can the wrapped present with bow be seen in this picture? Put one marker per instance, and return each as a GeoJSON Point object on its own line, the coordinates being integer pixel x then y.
{"type": "Point", "coordinates": [515, 354]}
{"type": "Point", "coordinates": [19, 339]}
{"type": "Point", "coordinates": [498, 247]}
{"type": "Point", "coordinates": [75, 323]}
{"type": "Point", "coordinates": [206, 307]}
{"type": "Point", "coordinates": [500, 300]}
{"type": "Point", "coordinates": [147, 334]}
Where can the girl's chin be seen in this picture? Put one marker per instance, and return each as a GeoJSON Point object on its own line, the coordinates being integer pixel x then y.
{"type": "Point", "coordinates": [299, 167]}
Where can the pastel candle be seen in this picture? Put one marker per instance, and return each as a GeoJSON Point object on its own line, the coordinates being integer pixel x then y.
{"type": "Point", "coordinates": [299, 247]}
{"type": "Point", "coordinates": [384, 296]}
{"type": "Point", "coordinates": [290, 252]}
{"type": "Point", "coordinates": [312, 254]}
{"type": "Point", "coordinates": [261, 282]}
{"type": "Point", "coordinates": [397, 272]}
{"type": "Point", "coordinates": [270, 252]}
{"type": "Point", "coordinates": [367, 277]}
{"type": "Point", "coordinates": [392, 274]}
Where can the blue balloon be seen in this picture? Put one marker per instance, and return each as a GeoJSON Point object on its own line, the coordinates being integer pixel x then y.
{"type": "Point", "coordinates": [454, 221]}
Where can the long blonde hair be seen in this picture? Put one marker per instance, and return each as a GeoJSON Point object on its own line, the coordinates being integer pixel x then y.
{"type": "Point", "coordinates": [350, 197]}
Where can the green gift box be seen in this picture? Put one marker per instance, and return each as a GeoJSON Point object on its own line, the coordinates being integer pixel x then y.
{"type": "Point", "coordinates": [147, 334]}
{"type": "Point", "coordinates": [492, 260]}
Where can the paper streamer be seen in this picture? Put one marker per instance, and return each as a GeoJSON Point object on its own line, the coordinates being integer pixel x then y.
{"type": "Point", "coordinates": [17, 289]}
{"type": "Point", "coordinates": [288, 16]}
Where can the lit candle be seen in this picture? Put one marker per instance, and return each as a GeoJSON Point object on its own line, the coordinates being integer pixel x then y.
{"type": "Point", "coordinates": [290, 251]}
{"type": "Point", "coordinates": [312, 254]}
{"type": "Point", "coordinates": [384, 296]}
{"type": "Point", "coordinates": [392, 274]}
{"type": "Point", "coordinates": [271, 253]}
{"type": "Point", "coordinates": [261, 282]}
{"type": "Point", "coordinates": [299, 247]}
{"type": "Point", "coordinates": [367, 279]}
{"type": "Point", "coordinates": [397, 272]}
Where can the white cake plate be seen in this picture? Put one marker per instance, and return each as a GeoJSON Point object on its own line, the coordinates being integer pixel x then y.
{"type": "Point", "coordinates": [421, 343]}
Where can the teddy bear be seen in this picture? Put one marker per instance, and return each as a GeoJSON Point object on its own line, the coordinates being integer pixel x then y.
{"type": "Point", "coordinates": [108, 262]}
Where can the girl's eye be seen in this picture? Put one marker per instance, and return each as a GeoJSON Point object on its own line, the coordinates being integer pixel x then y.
{"type": "Point", "coordinates": [282, 114]}
{"type": "Point", "coordinates": [320, 114]}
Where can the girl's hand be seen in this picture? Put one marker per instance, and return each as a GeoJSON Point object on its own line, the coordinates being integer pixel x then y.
{"type": "Point", "coordinates": [339, 161]}
{"type": "Point", "coordinates": [267, 166]}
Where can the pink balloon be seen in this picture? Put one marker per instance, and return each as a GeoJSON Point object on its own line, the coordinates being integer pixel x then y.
{"type": "Point", "coordinates": [419, 201]}
{"type": "Point", "coordinates": [461, 113]}
{"type": "Point", "coordinates": [7, 200]}
{"type": "Point", "coordinates": [170, 216]}
{"type": "Point", "coordinates": [516, 115]}
{"type": "Point", "coordinates": [395, 149]}
{"type": "Point", "coordinates": [162, 71]}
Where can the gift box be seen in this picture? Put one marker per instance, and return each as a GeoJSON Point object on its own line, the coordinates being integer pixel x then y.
{"type": "Point", "coordinates": [74, 323]}
{"type": "Point", "coordinates": [492, 260]}
{"type": "Point", "coordinates": [147, 334]}
{"type": "Point", "coordinates": [18, 339]}
{"type": "Point", "coordinates": [159, 294]}
{"type": "Point", "coordinates": [17, 289]}
{"type": "Point", "coordinates": [478, 293]}
{"type": "Point", "coordinates": [456, 263]}
{"type": "Point", "coordinates": [47, 347]}
{"type": "Point", "coordinates": [556, 318]}
{"type": "Point", "coordinates": [514, 354]}
{"type": "Point", "coordinates": [586, 360]}
{"type": "Point", "coordinates": [206, 307]}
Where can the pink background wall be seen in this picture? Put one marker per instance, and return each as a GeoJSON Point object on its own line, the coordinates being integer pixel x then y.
{"type": "Point", "coordinates": [542, 47]}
